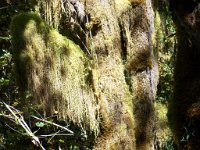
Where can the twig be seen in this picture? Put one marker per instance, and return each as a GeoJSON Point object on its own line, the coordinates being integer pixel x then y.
{"type": "Point", "coordinates": [52, 123]}
{"type": "Point", "coordinates": [84, 45]}
{"type": "Point", "coordinates": [5, 7]}
{"type": "Point", "coordinates": [43, 136]}
{"type": "Point", "coordinates": [21, 121]}
{"type": "Point", "coordinates": [5, 38]}
{"type": "Point", "coordinates": [16, 117]}
{"type": "Point", "coordinates": [53, 135]}
{"type": "Point", "coordinates": [91, 38]}
{"type": "Point", "coordinates": [37, 112]}
{"type": "Point", "coordinates": [171, 35]}
{"type": "Point", "coordinates": [62, 6]}
{"type": "Point", "coordinates": [14, 129]}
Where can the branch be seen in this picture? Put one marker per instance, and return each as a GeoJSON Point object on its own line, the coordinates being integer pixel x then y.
{"type": "Point", "coordinates": [43, 136]}
{"type": "Point", "coordinates": [19, 119]}
{"type": "Point", "coordinates": [5, 7]}
{"type": "Point", "coordinates": [14, 129]}
{"type": "Point", "coordinates": [16, 116]}
{"type": "Point", "coordinates": [5, 38]}
{"type": "Point", "coordinates": [52, 123]}
{"type": "Point", "coordinates": [171, 35]}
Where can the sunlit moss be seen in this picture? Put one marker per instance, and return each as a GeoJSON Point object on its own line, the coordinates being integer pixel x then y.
{"type": "Point", "coordinates": [158, 34]}
{"type": "Point", "coordinates": [53, 68]}
{"type": "Point", "coordinates": [161, 111]}
{"type": "Point", "coordinates": [121, 6]}
{"type": "Point", "coordinates": [163, 132]}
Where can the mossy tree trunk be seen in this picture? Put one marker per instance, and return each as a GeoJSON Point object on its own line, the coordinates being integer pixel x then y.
{"type": "Point", "coordinates": [184, 113]}
{"type": "Point", "coordinates": [107, 84]}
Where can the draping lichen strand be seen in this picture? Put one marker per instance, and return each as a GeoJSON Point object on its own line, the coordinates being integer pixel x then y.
{"type": "Point", "coordinates": [50, 11]}
{"type": "Point", "coordinates": [54, 68]}
{"type": "Point", "coordinates": [115, 98]}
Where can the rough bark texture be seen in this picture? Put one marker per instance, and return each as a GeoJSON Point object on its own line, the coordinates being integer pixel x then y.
{"type": "Point", "coordinates": [141, 66]}
{"type": "Point", "coordinates": [184, 112]}
{"type": "Point", "coordinates": [116, 37]}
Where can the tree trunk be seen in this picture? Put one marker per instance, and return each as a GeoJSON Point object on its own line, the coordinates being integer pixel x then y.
{"type": "Point", "coordinates": [108, 84]}
{"type": "Point", "coordinates": [184, 109]}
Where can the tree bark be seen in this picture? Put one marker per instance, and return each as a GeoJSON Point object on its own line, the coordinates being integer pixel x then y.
{"type": "Point", "coordinates": [184, 109]}
{"type": "Point", "coordinates": [116, 38]}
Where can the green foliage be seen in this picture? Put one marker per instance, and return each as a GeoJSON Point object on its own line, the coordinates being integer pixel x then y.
{"type": "Point", "coordinates": [168, 145]}
{"type": "Point", "coordinates": [166, 60]}
{"type": "Point", "coordinates": [166, 56]}
{"type": "Point", "coordinates": [8, 88]}
{"type": "Point", "coordinates": [40, 124]}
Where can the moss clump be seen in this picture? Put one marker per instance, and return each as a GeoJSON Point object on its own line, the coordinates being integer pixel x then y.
{"type": "Point", "coordinates": [53, 68]}
{"type": "Point", "coordinates": [18, 25]}
{"type": "Point", "coordinates": [136, 2]}
{"type": "Point", "coordinates": [141, 61]}
{"type": "Point", "coordinates": [121, 6]}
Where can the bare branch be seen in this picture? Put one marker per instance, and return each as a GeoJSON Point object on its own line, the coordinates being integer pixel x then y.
{"type": "Point", "coordinates": [43, 136]}
{"type": "Point", "coordinates": [14, 129]}
{"type": "Point", "coordinates": [16, 116]}
{"type": "Point", "coordinates": [19, 119]}
{"type": "Point", "coordinates": [52, 123]}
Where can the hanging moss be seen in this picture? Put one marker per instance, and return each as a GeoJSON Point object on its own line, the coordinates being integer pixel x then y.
{"type": "Point", "coordinates": [19, 24]}
{"type": "Point", "coordinates": [51, 11]}
{"type": "Point", "coordinates": [52, 68]}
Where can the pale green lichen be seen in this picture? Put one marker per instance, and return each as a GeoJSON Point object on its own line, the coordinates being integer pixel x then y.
{"type": "Point", "coordinates": [158, 34]}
